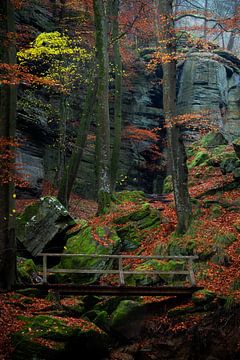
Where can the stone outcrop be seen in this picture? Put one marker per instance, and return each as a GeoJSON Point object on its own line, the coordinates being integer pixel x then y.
{"type": "Point", "coordinates": [210, 81]}
{"type": "Point", "coordinates": [43, 226]}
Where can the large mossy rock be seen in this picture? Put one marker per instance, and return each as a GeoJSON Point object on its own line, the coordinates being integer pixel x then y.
{"type": "Point", "coordinates": [43, 226]}
{"type": "Point", "coordinates": [131, 225]}
{"type": "Point", "coordinates": [49, 337]}
{"type": "Point", "coordinates": [88, 241]}
{"type": "Point", "coordinates": [213, 139]}
{"type": "Point", "coordinates": [157, 279]}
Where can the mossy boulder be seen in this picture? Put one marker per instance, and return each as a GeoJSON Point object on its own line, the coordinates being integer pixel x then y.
{"type": "Point", "coordinates": [99, 318]}
{"type": "Point", "coordinates": [200, 158]}
{"type": "Point", "coordinates": [181, 310]}
{"type": "Point", "coordinates": [126, 310]}
{"type": "Point", "coordinates": [229, 163]}
{"type": "Point", "coordinates": [236, 146]}
{"type": "Point", "coordinates": [168, 185]}
{"type": "Point", "coordinates": [130, 196]}
{"type": "Point", "coordinates": [49, 337]}
{"type": "Point", "coordinates": [43, 226]}
{"type": "Point", "coordinates": [203, 297]}
{"type": "Point", "coordinates": [26, 271]}
{"type": "Point", "coordinates": [108, 304]}
{"type": "Point", "coordinates": [180, 247]}
{"type": "Point", "coordinates": [99, 241]}
{"type": "Point", "coordinates": [213, 139]}
{"type": "Point", "coordinates": [130, 226]}
{"type": "Point", "coordinates": [225, 239]}
{"type": "Point", "coordinates": [157, 279]}
{"type": "Point", "coordinates": [221, 257]}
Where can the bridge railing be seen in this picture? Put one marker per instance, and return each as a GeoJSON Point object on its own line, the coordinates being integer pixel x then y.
{"type": "Point", "coordinates": [189, 272]}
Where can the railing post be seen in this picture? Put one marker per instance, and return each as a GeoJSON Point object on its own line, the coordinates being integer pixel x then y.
{"type": "Point", "coordinates": [44, 269]}
{"type": "Point", "coordinates": [191, 272]}
{"type": "Point", "coordinates": [121, 274]}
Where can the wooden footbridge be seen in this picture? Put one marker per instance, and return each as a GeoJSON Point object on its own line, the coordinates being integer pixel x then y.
{"type": "Point", "coordinates": [120, 289]}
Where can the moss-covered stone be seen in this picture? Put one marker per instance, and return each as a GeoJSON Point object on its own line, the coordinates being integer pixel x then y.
{"type": "Point", "coordinates": [130, 196]}
{"type": "Point", "coordinates": [225, 239]}
{"type": "Point", "coordinates": [179, 247]}
{"type": "Point", "coordinates": [100, 241]}
{"type": "Point", "coordinates": [43, 226]}
{"type": "Point", "coordinates": [216, 211]}
{"type": "Point", "coordinates": [132, 225]}
{"type": "Point", "coordinates": [229, 163]}
{"type": "Point", "coordinates": [136, 215]}
{"type": "Point", "coordinates": [26, 269]}
{"type": "Point", "coordinates": [203, 297]}
{"type": "Point", "coordinates": [124, 312]}
{"type": "Point", "coordinates": [100, 318]}
{"type": "Point", "coordinates": [181, 310]}
{"type": "Point", "coordinates": [221, 257]}
{"type": "Point", "coordinates": [49, 337]}
{"type": "Point", "coordinates": [157, 279]}
{"type": "Point", "coordinates": [213, 139]}
{"type": "Point", "coordinates": [168, 185]}
{"type": "Point", "coordinates": [108, 304]}
{"type": "Point", "coordinates": [199, 159]}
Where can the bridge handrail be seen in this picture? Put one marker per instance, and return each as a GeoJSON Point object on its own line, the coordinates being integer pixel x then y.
{"type": "Point", "coordinates": [121, 271]}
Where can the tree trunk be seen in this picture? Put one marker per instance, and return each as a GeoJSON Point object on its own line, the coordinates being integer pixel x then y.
{"type": "Point", "coordinates": [71, 170]}
{"type": "Point", "coordinates": [102, 111]}
{"type": "Point", "coordinates": [175, 143]}
{"type": "Point", "coordinates": [62, 139]}
{"type": "Point", "coordinates": [117, 96]}
{"type": "Point", "coordinates": [8, 98]}
{"type": "Point", "coordinates": [205, 31]}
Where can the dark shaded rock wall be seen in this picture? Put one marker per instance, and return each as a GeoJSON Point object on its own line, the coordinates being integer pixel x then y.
{"type": "Point", "coordinates": [207, 81]}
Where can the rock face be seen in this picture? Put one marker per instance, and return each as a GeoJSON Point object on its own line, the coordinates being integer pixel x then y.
{"type": "Point", "coordinates": [42, 226]}
{"type": "Point", "coordinates": [211, 82]}
{"type": "Point", "coordinates": [206, 81]}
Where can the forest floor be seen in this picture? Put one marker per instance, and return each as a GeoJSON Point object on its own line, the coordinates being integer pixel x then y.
{"type": "Point", "coordinates": [209, 189]}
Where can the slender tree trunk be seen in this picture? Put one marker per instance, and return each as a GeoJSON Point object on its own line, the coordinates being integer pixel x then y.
{"type": "Point", "coordinates": [117, 96]}
{"type": "Point", "coordinates": [231, 41]}
{"type": "Point", "coordinates": [205, 31]}
{"type": "Point", "coordinates": [176, 146]}
{"type": "Point", "coordinates": [71, 170]}
{"type": "Point", "coordinates": [102, 111]}
{"type": "Point", "coordinates": [62, 138]}
{"type": "Point", "coordinates": [8, 98]}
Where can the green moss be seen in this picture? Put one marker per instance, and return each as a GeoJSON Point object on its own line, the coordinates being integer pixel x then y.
{"type": "Point", "coordinates": [108, 304]}
{"type": "Point", "coordinates": [25, 270]}
{"type": "Point", "coordinates": [153, 279]}
{"type": "Point", "coordinates": [199, 159]}
{"type": "Point", "coordinates": [49, 337]}
{"type": "Point", "coordinates": [216, 211]}
{"type": "Point", "coordinates": [130, 196]}
{"type": "Point", "coordinates": [235, 285]}
{"type": "Point", "coordinates": [229, 163]}
{"type": "Point", "coordinates": [203, 297]}
{"type": "Point", "coordinates": [124, 312]}
{"type": "Point", "coordinates": [221, 257]}
{"type": "Point", "coordinates": [177, 246]}
{"type": "Point", "coordinates": [168, 185]}
{"type": "Point", "coordinates": [136, 215]}
{"type": "Point", "coordinates": [213, 139]}
{"type": "Point", "coordinates": [225, 239]}
{"type": "Point", "coordinates": [179, 311]}
{"type": "Point", "coordinates": [102, 241]}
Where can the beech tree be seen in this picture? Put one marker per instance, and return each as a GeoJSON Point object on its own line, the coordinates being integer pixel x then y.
{"type": "Point", "coordinates": [8, 98]}
{"type": "Point", "coordinates": [177, 154]}
{"type": "Point", "coordinates": [102, 107]}
{"type": "Point", "coordinates": [118, 92]}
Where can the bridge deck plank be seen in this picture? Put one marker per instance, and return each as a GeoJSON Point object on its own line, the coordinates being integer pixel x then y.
{"type": "Point", "coordinates": [73, 289]}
